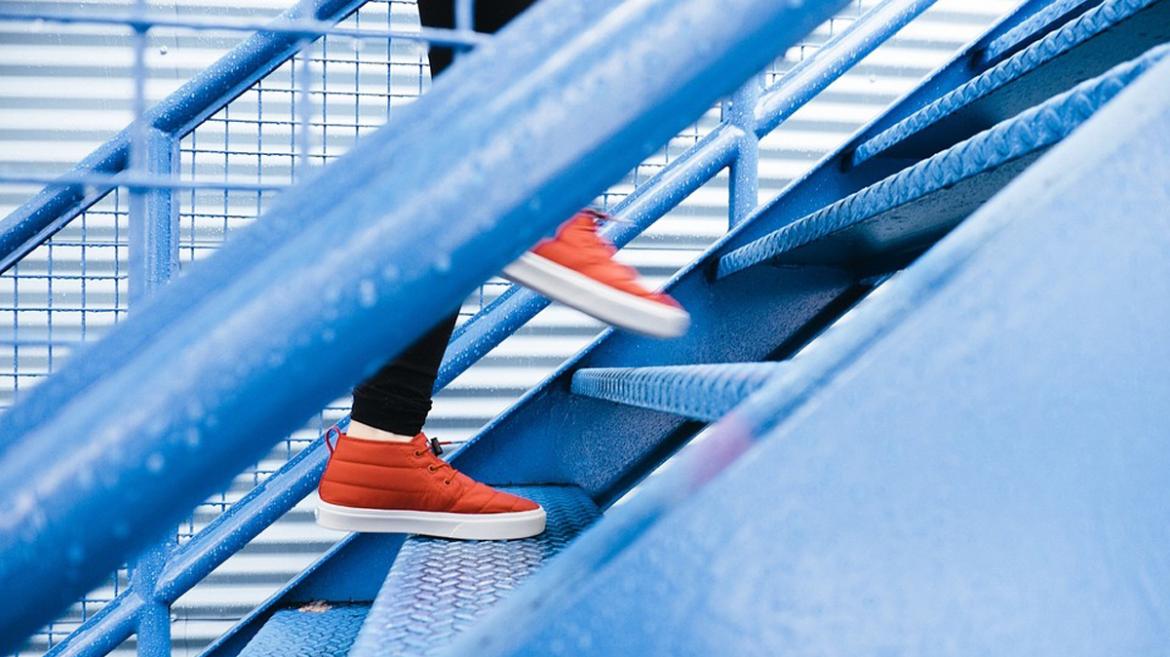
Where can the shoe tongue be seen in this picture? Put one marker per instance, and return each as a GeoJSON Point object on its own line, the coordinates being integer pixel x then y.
{"type": "Point", "coordinates": [421, 441]}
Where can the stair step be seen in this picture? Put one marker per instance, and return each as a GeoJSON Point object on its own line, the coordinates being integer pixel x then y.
{"type": "Point", "coordinates": [701, 392]}
{"type": "Point", "coordinates": [1115, 31]}
{"type": "Point", "coordinates": [437, 588]}
{"type": "Point", "coordinates": [1035, 27]}
{"type": "Point", "coordinates": [908, 211]}
{"type": "Point", "coordinates": [317, 629]}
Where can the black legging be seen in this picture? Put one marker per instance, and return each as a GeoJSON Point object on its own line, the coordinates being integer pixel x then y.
{"type": "Point", "coordinates": [398, 398]}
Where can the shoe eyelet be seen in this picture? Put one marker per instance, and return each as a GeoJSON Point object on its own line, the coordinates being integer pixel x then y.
{"type": "Point", "coordinates": [432, 467]}
{"type": "Point", "coordinates": [417, 454]}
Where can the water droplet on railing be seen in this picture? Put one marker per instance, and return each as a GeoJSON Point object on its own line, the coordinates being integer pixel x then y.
{"type": "Point", "coordinates": [162, 50]}
{"type": "Point", "coordinates": [367, 293]}
{"type": "Point", "coordinates": [155, 462]}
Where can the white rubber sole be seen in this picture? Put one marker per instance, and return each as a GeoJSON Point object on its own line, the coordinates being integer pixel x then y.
{"type": "Point", "coordinates": [596, 299]}
{"type": "Point", "coordinates": [464, 526]}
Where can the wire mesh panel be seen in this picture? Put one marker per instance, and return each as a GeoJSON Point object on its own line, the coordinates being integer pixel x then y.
{"type": "Point", "coordinates": [65, 293]}
{"type": "Point", "coordinates": [302, 115]}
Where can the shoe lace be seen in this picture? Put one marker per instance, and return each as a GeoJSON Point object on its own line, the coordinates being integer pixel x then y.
{"type": "Point", "coordinates": [436, 464]}
{"type": "Point", "coordinates": [599, 250]}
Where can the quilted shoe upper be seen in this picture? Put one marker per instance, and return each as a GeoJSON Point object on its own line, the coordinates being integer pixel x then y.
{"type": "Point", "coordinates": [371, 474]}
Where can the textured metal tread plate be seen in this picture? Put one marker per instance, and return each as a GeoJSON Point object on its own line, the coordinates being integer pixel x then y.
{"type": "Point", "coordinates": [701, 392]}
{"type": "Point", "coordinates": [437, 588]}
{"type": "Point", "coordinates": [1045, 19]}
{"type": "Point", "coordinates": [315, 630]}
{"type": "Point", "coordinates": [915, 205]}
{"type": "Point", "coordinates": [973, 101]}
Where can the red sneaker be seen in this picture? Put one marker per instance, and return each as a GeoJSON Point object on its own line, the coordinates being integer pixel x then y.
{"type": "Point", "coordinates": [577, 268]}
{"type": "Point", "coordinates": [376, 486]}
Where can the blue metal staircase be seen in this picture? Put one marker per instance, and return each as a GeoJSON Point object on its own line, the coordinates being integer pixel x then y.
{"type": "Point", "coordinates": [826, 508]}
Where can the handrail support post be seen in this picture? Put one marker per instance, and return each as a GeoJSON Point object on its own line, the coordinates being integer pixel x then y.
{"type": "Point", "coordinates": [154, 218]}
{"type": "Point", "coordinates": [744, 189]}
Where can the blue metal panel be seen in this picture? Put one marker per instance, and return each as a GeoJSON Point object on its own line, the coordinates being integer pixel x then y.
{"type": "Point", "coordinates": [438, 588]}
{"type": "Point", "coordinates": [262, 342]}
{"type": "Point", "coordinates": [701, 392]}
{"type": "Point", "coordinates": [913, 207]}
{"type": "Point", "coordinates": [935, 483]}
{"type": "Point", "coordinates": [1104, 36]}
{"type": "Point", "coordinates": [314, 630]}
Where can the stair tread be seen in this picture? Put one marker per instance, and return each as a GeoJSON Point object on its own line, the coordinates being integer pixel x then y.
{"type": "Point", "coordinates": [701, 392]}
{"type": "Point", "coordinates": [314, 630]}
{"type": "Point", "coordinates": [994, 93]}
{"type": "Point", "coordinates": [437, 588]}
{"type": "Point", "coordinates": [911, 208]}
{"type": "Point", "coordinates": [1056, 12]}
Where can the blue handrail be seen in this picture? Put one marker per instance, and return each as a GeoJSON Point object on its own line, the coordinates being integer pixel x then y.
{"type": "Point", "coordinates": [259, 340]}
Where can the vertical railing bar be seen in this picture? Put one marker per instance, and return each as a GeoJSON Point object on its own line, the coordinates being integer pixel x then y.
{"type": "Point", "coordinates": [305, 113]}
{"type": "Point", "coordinates": [744, 188]}
{"type": "Point", "coordinates": [464, 22]}
{"type": "Point", "coordinates": [152, 243]}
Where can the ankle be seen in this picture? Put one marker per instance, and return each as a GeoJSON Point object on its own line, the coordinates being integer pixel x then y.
{"type": "Point", "coordinates": [366, 432]}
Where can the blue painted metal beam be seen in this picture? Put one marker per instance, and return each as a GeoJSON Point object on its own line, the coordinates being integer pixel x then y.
{"type": "Point", "coordinates": [700, 392]}
{"type": "Point", "coordinates": [271, 334]}
{"type": "Point", "coordinates": [909, 210]}
{"type": "Point", "coordinates": [1111, 33]}
{"type": "Point", "coordinates": [50, 210]}
{"type": "Point", "coordinates": [992, 486]}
